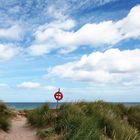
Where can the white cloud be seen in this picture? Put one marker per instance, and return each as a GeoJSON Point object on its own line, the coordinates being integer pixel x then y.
{"type": "Point", "coordinates": [60, 35]}
{"type": "Point", "coordinates": [7, 52]}
{"type": "Point", "coordinates": [129, 27]}
{"type": "Point", "coordinates": [43, 46]}
{"type": "Point", "coordinates": [29, 85]}
{"type": "Point", "coordinates": [35, 85]}
{"type": "Point", "coordinates": [111, 66]}
{"type": "Point", "coordinates": [46, 31]}
{"type": "Point", "coordinates": [39, 49]}
{"type": "Point", "coordinates": [14, 32]}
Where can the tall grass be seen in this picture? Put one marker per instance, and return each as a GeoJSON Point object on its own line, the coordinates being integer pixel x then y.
{"type": "Point", "coordinates": [40, 117]}
{"type": "Point", "coordinates": [134, 116]}
{"type": "Point", "coordinates": [87, 121]}
{"type": "Point", "coordinates": [5, 115]}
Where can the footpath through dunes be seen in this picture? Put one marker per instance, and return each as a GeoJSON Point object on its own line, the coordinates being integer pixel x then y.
{"type": "Point", "coordinates": [19, 131]}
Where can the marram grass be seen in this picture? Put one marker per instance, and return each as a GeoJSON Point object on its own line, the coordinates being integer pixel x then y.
{"type": "Point", "coordinates": [5, 116]}
{"type": "Point", "coordinates": [87, 121]}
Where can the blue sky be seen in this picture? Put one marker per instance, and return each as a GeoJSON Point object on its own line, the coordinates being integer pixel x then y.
{"type": "Point", "coordinates": [89, 49]}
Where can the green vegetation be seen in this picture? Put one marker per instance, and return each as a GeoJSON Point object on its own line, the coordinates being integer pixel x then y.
{"type": "Point", "coordinates": [87, 121]}
{"type": "Point", "coordinates": [5, 115]}
{"type": "Point", "coordinates": [134, 116]}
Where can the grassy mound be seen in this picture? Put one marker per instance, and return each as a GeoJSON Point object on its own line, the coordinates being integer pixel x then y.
{"type": "Point", "coordinates": [87, 121]}
{"type": "Point", "coordinates": [5, 115]}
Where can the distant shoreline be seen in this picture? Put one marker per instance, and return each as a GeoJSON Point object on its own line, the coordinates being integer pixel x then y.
{"type": "Point", "coordinates": [52, 105]}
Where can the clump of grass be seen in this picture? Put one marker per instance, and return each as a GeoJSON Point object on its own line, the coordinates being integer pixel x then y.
{"type": "Point", "coordinates": [43, 133]}
{"type": "Point", "coordinates": [87, 121]}
{"type": "Point", "coordinates": [40, 117]}
{"type": "Point", "coordinates": [5, 115]}
{"type": "Point", "coordinates": [134, 116]}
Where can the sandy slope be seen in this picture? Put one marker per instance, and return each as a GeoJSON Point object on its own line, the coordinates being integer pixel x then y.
{"type": "Point", "coordinates": [19, 131]}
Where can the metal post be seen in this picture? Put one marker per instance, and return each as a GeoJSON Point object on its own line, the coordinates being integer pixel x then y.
{"type": "Point", "coordinates": [57, 105]}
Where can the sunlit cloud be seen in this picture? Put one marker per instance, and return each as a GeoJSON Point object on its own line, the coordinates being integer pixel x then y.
{"type": "Point", "coordinates": [111, 66]}
{"type": "Point", "coordinates": [107, 33]}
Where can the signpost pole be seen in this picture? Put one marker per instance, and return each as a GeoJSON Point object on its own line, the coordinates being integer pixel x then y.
{"type": "Point", "coordinates": [58, 96]}
{"type": "Point", "coordinates": [57, 105]}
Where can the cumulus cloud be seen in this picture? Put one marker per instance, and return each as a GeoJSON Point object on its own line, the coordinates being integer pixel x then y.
{"type": "Point", "coordinates": [35, 85]}
{"type": "Point", "coordinates": [29, 85]}
{"type": "Point", "coordinates": [63, 25]}
{"type": "Point", "coordinates": [14, 32]}
{"type": "Point", "coordinates": [61, 35]}
{"type": "Point", "coordinates": [44, 36]}
{"type": "Point", "coordinates": [7, 52]}
{"type": "Point", "coordinates": [111, 66]}
{"type": "Point", "coordinates": [39, 49]}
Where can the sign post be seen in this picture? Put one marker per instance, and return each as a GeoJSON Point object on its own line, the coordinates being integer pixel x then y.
{"type": "Point", "coordinates": [58, 96]}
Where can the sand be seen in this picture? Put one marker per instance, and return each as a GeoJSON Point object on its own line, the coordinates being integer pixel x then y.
{"type": "Point", "coordinates": [19, 131]}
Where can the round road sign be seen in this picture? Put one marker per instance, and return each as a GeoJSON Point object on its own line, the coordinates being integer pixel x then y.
{"type": "Point", "coordinates": [58, 95]}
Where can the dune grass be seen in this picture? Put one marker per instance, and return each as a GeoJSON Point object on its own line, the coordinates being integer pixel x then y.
{"type": "Point", "coordinates": [134, 116]}
{"type": "Point", "coordinates": [87, 121]}
{"type": "Point", "coordinates": [5, 115]}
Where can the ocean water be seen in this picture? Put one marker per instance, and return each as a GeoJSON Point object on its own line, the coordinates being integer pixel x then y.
{"type": "Point", "coordinates": [131, 103]}
{"type": "Point", "coordinates": [52, 105]}
{"type": "Point", "coordinates": [30, 105]}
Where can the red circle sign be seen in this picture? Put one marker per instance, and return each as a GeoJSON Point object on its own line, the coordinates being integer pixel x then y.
{"type": "Point", "coordinates": [58, 96]}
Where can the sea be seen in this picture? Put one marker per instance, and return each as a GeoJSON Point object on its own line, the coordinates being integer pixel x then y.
{"type": "Point", "coordinates": [52, 105]}
{"type": "Point", "coordinates": [30, 105]}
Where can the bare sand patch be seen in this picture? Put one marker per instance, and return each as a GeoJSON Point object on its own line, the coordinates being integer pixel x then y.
{"type": "Point", "coordinates": [19, 131]}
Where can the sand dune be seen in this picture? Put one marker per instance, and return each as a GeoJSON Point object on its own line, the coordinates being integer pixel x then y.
{"type": "Point", "coordinates": [19, 131]}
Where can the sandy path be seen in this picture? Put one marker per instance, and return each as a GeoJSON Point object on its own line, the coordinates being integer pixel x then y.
{"type": "Point", "coordinates": [19, 131]}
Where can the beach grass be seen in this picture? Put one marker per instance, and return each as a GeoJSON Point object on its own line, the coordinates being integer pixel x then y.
{"type": "Point", "coordinates": [5, 116]}
{"type": "Point", "coordinates": [87, 121]}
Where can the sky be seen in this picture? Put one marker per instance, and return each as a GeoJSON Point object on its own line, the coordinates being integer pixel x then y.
{"type": "Point", "coordinates": [88, 48]}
